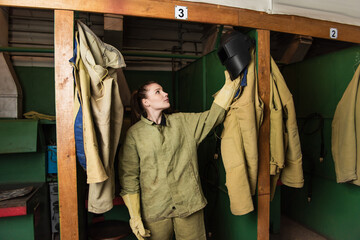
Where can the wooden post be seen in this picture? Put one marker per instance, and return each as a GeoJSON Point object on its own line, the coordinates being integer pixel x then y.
{"type": "Point", "coordinates": [263, 228]}
{"type": "Point", "coordinates": [64, 92]}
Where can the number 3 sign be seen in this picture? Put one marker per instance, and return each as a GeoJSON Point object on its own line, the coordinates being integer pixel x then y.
{"type": "Point", "coordinates": [181, 12]}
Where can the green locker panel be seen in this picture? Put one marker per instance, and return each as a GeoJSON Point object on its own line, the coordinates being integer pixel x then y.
{"type": "Point", "coordinates": [137, 78]}
{"type": "Point", "coordinates": [190, 87]}
{"type": "Point", "coordinates": [22, 167]}
{"type": "Point", "coordinates": [19, 227]}
{"type": "Point", "coordinates": [18, 136]}
{"type": "Point", "coordinates": [38, 87]}
{"type": "Point", "coordinates": [215, 77]}
{"type": "Point", "coordinates": [317, 85]}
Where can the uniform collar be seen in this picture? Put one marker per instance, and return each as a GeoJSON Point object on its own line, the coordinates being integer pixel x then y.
{"type": "Point", "coordinates": [163, 122]}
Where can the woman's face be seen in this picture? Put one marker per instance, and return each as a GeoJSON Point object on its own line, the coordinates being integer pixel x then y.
{"type": "Point", "coordinates": [156, 99]}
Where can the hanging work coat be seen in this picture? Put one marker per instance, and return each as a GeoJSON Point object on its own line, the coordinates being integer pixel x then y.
{"type": "Point", "coordinates": [285, 149]}
{"type": "Point", "coordinates": [239, 144]}
{"type": "Point", "coordinates": [346, 134]}
{"type": "Point", "coordinates": [102, 114]}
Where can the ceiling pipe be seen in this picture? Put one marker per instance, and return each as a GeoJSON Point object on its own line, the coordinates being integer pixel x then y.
{"type": "Point", "coordinates": [125, 53]}
{"type": "Point", "coordinates": [23, 49]}
{"type": "Point", "coordinates": [159, 55]}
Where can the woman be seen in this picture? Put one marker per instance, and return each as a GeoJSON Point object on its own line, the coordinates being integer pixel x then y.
{"type": "Point", "coordinates": [158, 164]}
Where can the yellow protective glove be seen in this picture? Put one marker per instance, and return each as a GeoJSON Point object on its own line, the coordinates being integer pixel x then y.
{"type": "Point", "coordinates": [225, 96]}
{"type": "Point", "coordinates": [132, 202]}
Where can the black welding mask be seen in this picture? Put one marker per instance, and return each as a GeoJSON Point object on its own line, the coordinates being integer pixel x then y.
{"type": "Point", "coordinates": [234, 52]}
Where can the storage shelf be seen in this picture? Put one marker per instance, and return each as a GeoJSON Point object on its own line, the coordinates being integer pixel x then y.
{"type": "Point", "coordinates": [20, 205]}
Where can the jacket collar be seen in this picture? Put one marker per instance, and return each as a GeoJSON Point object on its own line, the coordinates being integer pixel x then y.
{"type": "Point", "coordinates": [164, 120]}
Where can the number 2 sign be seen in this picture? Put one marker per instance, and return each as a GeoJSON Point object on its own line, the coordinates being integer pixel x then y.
{"type": "Point", "coordinates": [333, 33]}
{"type": "Point", "coordinates": [181, 12]}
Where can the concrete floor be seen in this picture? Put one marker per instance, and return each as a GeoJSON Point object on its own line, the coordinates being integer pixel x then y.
{"type": "Point", "coordinates": [290, 230]}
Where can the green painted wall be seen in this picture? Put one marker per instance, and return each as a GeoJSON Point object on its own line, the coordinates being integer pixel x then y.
{"type": "Point", "coordinates": [317, 86]}
{"type": "Point", "coordinates": [22, 167]}
{"type": "Point", "coordinates": [136, 78]}
{"type": "Point", "coordinates": [20, 227]}
{"type": "Point", "coordinates": [197, 83]}
{"type": "Point", "coordinates": [190, 87]}
{"type": "Point", "coordinates": [18, 135]}
{"type": "Point", "coordinates": [38, 86]}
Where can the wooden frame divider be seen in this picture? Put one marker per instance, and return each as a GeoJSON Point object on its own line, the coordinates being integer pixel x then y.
{"type": "Point", "coordinates": [64, 94]}
{"type": "Point", "coordinates": [263, 228]}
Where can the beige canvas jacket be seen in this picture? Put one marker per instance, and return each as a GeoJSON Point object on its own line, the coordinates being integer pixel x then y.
{"type": "Point", "coordinates": [239, 144]}
{"type": "Point", "coordinates": [98, 91]}
{"type": "Point", "coordinates": [346, 134]}
{"type": "Point", "coordinates": [285, 149]}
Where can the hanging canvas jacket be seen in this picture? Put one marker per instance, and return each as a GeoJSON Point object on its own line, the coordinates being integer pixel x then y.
{"type": "Point", "coordinates": [102, 112]}
{"type": "Point", "coordinates": [285, 149]}
{"type": "Point", "coordinates": [239, 144]}
{"type": "Point", "coordinates": [346, 134]}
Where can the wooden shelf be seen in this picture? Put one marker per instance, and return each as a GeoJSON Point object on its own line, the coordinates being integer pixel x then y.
{"type": "Point", "coordinates": [20, 206]}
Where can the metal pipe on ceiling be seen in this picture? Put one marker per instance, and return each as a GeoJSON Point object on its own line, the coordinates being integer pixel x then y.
{"type": "Point", "coordinates": [23, 49]}
{"type": "Point", "coordinates": [160, 55]}
{"type": "Point", "coordinates": [125, 53]}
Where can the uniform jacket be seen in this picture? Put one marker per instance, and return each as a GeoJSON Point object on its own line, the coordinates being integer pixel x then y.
{"type": "Point", "coordinates": [285, 149]}
{"type": "Point", "coordinates": [160, 163]}
{"type": "Point", "coordinates": [102, 113]}
{"type": "Point", "coordinates": [346, 134]}
{"type": "Point", "coordinates": [239, 144]}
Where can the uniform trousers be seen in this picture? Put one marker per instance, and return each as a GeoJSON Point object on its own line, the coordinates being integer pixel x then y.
{"type": "Point", "coordinates": [187, 228]}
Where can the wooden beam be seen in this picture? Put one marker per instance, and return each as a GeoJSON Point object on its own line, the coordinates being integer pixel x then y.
{"type": "Point", "coordinates": [298, 25]}
{"type": "Point", "coordinates": [202, 12]}
{"type": "Point", "coordinates": [263, 228]}
{"type": "Point", "coordinates": [64, 94]}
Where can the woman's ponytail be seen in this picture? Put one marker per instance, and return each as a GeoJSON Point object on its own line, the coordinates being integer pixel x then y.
{"type": "Point", "coordinates": [137, 108]}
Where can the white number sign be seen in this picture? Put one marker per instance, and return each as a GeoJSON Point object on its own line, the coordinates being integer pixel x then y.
{"type": "Point", "coordinates": [181, 12]}
{"type": "Point", "coordinates": [333, 33]}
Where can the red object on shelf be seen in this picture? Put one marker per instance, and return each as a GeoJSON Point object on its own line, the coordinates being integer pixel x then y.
{"type": "Point", "coordinates": [12, 211]}
{"type": "Point", "coordinates": [21, 205]}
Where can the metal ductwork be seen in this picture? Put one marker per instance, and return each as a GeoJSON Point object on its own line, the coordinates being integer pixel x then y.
{"type": "Point", "coordinates": [10, 90]}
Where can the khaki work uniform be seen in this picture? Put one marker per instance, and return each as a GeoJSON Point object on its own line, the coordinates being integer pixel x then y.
{"type": "Point", "coordinates": [285, 149]}
{"type": "Point", "coordinates": [346, 134]}
{"type": "Point", "coordinates": [98, 93]}
{"type": "Point", "coordinates": [161, 163]}
{"type": "Point", "coordinates": [239, 144]}
{"type": "Point", "coordinates": [188, 228]}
